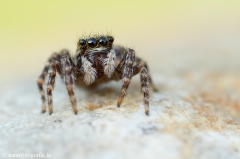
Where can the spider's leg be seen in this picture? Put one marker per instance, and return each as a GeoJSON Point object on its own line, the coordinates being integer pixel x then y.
{"type": "Point", "coordinates": [144, 64]}
{"type": "Point", "coordinates": [127, 73]}
{"type": "Point", "coordinates": [144, 84]}
{"type": "Point", "coordinates": [121, 63]}
{"type": "Point", "coordinates": [68, 68]}
{"type": "Point", "coordinates": [42, 78]}
{"type": "Point", "coordinates": [54, 66]}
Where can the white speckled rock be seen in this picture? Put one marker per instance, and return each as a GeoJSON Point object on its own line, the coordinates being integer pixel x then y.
{"type": "Point", "coordinates": [187, 120]}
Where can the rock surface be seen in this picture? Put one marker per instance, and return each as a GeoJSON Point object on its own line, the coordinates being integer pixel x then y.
{"type": "Point", "coordinates": [194, 115]}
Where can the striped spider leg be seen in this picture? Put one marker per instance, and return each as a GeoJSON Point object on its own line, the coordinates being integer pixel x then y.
{"type": "Point", "coordinates": [127, 70]}
{"type": "Point", "coordinates": [63, 65]}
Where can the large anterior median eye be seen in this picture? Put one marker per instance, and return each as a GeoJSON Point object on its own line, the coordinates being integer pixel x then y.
{"type": "Point", "coordinates": [82, 42]}
{"type": "Point", "coordinates": [92, 42]}
{"type": "Point", "coordinates": [103, 41]}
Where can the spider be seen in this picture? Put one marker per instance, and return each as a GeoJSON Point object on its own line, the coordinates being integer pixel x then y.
{"type": "Point", "coordinates": [96, 61]}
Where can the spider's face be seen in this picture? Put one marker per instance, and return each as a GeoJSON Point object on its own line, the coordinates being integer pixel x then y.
{"type": "Point", "coordinates": [95, 43]}
{"type": "Point", "coordinates": [94, 54]}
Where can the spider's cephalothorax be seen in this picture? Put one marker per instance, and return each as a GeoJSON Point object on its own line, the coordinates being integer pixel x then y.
{"type": "Point", "coordinates": [95, 56]}
{"type": "Point", "coordinates": [96, 61]}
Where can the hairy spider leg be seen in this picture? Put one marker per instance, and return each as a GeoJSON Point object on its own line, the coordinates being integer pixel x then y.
{"type": "Point", "coordinates": [67, 68]}
{"type": "Point", "coordinates": [69, 80]}
{"type": "Point", "coordinates": [50, 84]}
{"type": "Point", "coordinates": [63, 64]}
{"type": "Point", "coordinates": [127, 73]}
{"type": "Point", "coordinates": [144, 84]}
{"type": "Point", "coordinates": [55, 57]}
{"type": "Point", "coordinates": [144, 64]}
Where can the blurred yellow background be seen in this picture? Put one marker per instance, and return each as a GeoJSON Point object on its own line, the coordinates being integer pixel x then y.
{"type": "Point", "coordinates": [171, 35]}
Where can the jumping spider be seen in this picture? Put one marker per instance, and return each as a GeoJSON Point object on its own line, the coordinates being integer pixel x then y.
{"type": "Point", "coordinates": [96, 61]}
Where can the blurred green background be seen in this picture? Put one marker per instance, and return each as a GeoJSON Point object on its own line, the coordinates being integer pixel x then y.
{"type": "Point", "coordinates": [172, 35]}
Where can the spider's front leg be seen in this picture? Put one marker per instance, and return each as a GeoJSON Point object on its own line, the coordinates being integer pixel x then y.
{"type": "Point", "coordinates": [65, 67]}
{"type": "Point", "coordinates": [144, 84]}
{"type": "Point", "coordinates": [128, 72]}
{"type": "Point", "coordinates": [68, 68]}
{"type": "Point", "coordinates": [55, 57]}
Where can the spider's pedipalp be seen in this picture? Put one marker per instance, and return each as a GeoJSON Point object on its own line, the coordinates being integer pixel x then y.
{"type": "Point", "coordinates": [109, 64]}
{"type": "Point", "coordinates": [89, 72]}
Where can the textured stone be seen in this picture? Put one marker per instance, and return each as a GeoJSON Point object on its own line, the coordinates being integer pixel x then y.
{"type": "Point", "coordinates": [194, 115]}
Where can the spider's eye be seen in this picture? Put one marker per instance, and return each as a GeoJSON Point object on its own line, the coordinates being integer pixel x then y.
{"type": "Point", "coordinates": [110, 39]}
{"type": "Point", "coordinates": [92, 42]}
{"type": "Point", "coordinates": [82, 42]}
{"type": "Point", "coordinates": [103, 41]}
